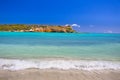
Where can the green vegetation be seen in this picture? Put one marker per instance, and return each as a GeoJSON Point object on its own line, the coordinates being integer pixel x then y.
{"type": "Point", "coordinates": [35, 28]}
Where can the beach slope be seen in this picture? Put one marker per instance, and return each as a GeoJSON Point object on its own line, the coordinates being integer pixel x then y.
{"type": "Point", "coordinates": [54, 74]}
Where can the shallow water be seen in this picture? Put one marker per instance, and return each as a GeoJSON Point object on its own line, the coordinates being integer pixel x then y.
{"type": "Point", "coordinates": [33, 45]}
{"type": "Point", "coordinates": [67, 45]}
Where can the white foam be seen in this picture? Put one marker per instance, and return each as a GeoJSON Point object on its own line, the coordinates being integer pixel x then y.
{"type": "Point", "coordinates": [16, 64]}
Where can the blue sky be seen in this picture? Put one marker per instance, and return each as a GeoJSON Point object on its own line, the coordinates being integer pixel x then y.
{"type": "Point", "coordinates": [91, 15]}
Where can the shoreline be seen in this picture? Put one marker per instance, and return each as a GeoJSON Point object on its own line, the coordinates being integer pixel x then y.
{"type": "Point", "coordinates": [60, 64]}
{"type": "Point", "coordinates": [53, 74]}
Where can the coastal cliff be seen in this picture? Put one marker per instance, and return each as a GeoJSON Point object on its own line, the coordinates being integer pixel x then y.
{"type": "Point", "coordinates": [35, 28]}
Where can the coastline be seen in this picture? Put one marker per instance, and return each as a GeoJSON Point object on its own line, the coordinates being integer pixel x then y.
{"type": "Point", "coordinates": [59, 64]}
{"type": "Point", "coordinates": [22, 57]}
{"type": "Point", "coordinates": [53, 74]}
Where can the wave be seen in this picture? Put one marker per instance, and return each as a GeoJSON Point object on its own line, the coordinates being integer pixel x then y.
{"type": "Point", "coordinates": [17, 64]}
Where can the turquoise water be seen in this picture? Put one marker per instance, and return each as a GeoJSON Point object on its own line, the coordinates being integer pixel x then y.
{"type": "Point", "coordinates": [60, 45]}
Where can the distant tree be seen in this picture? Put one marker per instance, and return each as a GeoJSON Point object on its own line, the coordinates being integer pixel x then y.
{"type": "Point", "coordinates": [36, 28]}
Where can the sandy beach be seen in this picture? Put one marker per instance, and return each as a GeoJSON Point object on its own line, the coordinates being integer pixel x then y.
{"type": "Point", "coordinates": [53, 74]}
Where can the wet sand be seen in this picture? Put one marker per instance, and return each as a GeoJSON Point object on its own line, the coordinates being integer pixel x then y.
{"type": "Point", "coordinates": [54, 74]}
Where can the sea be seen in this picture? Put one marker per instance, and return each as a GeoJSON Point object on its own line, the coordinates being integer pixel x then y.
{"type": "Point", "coordinates": [41, 50]}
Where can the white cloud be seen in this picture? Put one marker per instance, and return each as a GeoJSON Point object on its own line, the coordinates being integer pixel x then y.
{"type": "Point", "coordinates": [75, 25]}
{"type": "Point", "coordinates": [110, 31]}
{"type": "Point", "coordinates": [67, 25]}
{"type": "Point", "coordinates": [91, 26]}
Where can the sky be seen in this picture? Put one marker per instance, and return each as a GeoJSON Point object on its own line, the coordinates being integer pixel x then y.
{"type": "Point", "coordinates": [91, 15]}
